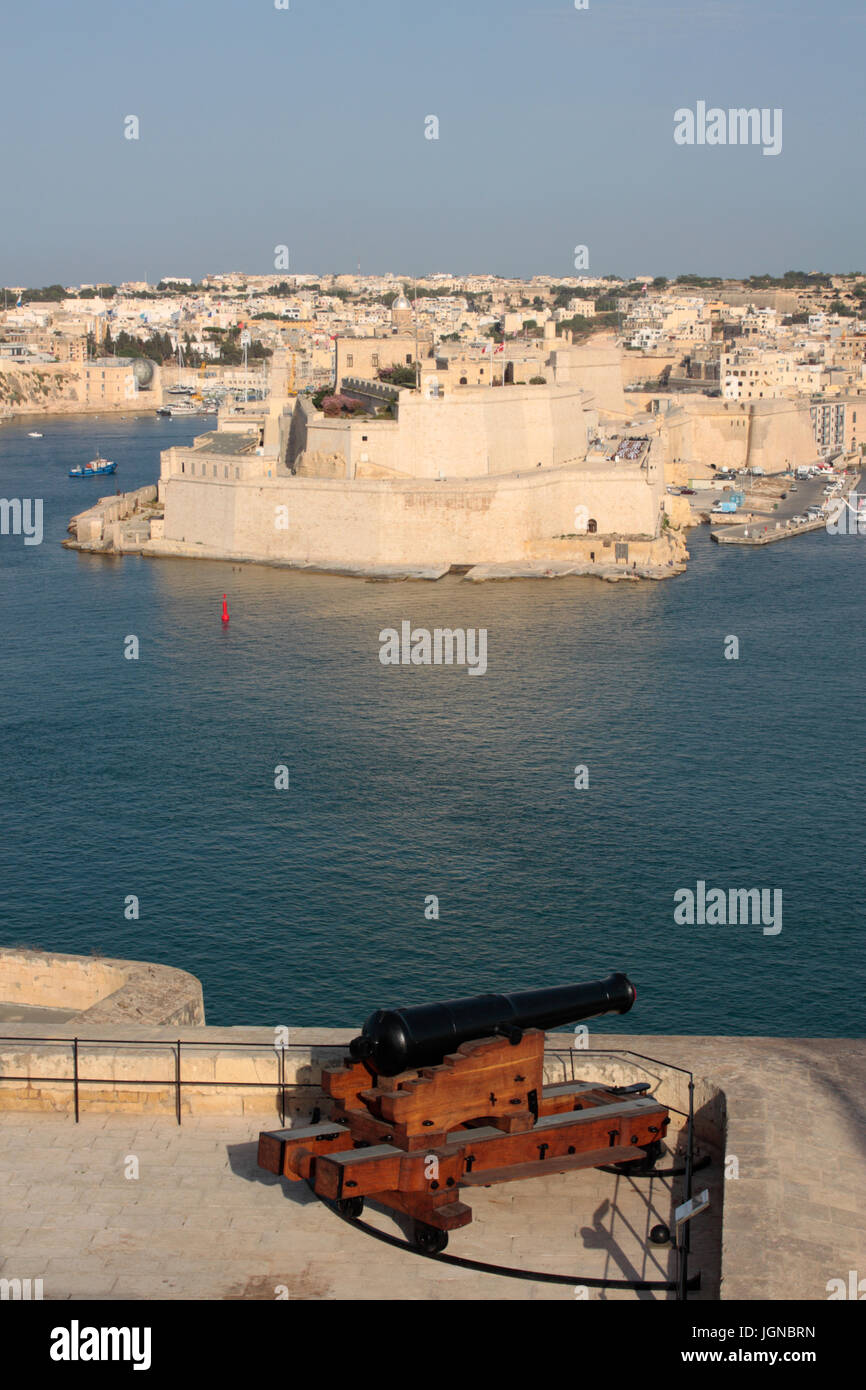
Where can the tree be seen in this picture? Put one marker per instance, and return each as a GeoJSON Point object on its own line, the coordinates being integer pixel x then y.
{"type": "Point", "coordinates": [49, 294]}
{"type": "Point", "coordinates": [398, 376]}
{"type": "Point", "coordinates": [342, 405]}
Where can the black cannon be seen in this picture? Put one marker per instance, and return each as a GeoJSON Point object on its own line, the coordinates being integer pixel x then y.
{"type": "Point", "coordinates": [395, 1040]}
{"type": "Point", "coordinates": [470, 1109]}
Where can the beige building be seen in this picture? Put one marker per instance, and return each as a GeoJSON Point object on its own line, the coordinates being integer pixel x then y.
{"type": "Point", "coordinates": [108, 381]}
{"type": "Point", "coordinates": [365, 357]}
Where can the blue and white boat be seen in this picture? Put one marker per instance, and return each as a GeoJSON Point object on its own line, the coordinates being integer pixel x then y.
{"type": "Point", "coordinates": [94, 468]}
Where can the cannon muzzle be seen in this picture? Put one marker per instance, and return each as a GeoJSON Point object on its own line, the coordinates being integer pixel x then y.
{"type": "Point", "coordinates": [395, 1040]}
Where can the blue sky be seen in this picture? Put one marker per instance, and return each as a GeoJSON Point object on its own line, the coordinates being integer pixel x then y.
{"type": "Point", "coordinates": [305, 127]}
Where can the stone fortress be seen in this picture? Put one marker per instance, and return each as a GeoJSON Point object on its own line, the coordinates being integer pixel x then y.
{"type": "Point", "coordinates": [524, 458]}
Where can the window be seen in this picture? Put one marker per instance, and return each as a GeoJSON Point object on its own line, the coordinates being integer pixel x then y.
{"type": "Point", "coordinates": [375, 359]}
{"type": "Point", "coordinates": [592, 525]}
{"type": "Point", "coordinates": [350, 359]}
{"type": "Point", "coordinates": [408, 359]}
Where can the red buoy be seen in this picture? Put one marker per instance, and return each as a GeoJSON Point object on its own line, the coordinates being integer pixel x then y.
{"type": "Point", "coordinates": [225, 616]}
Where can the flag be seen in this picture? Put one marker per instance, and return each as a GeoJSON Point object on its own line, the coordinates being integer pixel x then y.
{"type": "Point", "coordinates": [500, 347]}
{"type": "Point", "coordinates": [18, 302]}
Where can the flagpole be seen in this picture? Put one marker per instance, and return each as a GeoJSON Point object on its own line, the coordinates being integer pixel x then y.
{"type": "Point", "coordinates": [417, 358]}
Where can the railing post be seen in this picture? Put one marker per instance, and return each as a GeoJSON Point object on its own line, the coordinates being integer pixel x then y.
{"type": "Point", "coordinates": [283, 1085]}
{"type": "Point", "coordinates": [177, 1079]}
{"type": "Point", "coordinates": [75, 1075]}
{"type": "Point", "coordinates": [684, 1245]}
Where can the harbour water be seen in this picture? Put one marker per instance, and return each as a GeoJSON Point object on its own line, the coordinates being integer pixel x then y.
{"type": "Point", "coordinates": [154, 777]}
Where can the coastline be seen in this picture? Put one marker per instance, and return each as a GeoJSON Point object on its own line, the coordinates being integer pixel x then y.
{"type": "Point", "coordinates": [19, 415]}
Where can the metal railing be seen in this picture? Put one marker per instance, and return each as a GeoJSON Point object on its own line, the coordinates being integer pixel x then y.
{"type": "Point", "coordinates": [683, 1240]}
{"type": "Point", "coordinates": [176, 1083]}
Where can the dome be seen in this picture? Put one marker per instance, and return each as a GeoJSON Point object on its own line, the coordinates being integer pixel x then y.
{"type": "Point", "coordinates": [142, 369]}
{"type": "Point", "coordinates": [401, 302]}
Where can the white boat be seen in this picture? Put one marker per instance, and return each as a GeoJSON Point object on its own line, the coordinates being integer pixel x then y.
{"type": "Point", "coordinates": [34, 434]}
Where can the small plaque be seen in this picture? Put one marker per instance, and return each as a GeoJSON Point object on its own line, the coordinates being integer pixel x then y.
{"type": "Point", "coordinates": [692, 1207]}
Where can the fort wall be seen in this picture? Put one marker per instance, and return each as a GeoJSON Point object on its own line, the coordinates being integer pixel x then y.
{"type": "Point", "coordinates": [330, 522]}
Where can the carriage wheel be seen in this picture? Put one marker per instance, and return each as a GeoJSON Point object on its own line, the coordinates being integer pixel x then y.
{"type": "Point", "coordinates": [350, 1206]}
{"type": "Point", "coordinates": [429, 1238]}
{"type": "Point", "coordinates": [652, 1154]}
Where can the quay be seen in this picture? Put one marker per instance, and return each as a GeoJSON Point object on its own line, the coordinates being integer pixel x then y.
{"type": "Point", "coordinates": [766, 531]}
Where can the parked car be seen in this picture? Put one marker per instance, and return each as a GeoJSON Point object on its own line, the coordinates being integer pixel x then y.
{"type": "Point", "coordinates": [687, 492]}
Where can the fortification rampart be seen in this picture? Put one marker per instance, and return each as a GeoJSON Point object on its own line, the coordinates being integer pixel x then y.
{"type": "Point", "coordinates": [325, 521]}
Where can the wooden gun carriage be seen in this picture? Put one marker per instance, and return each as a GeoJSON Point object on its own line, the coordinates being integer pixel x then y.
{"type": "Point", "coordinates": [416, 1137]}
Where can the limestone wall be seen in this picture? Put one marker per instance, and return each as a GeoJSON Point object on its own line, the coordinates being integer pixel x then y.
{"type": "Point", "coordinates": [371, 522]}
{"type": "Point", "coordinates": [469, 432]}
{"type": "Point", "coordinates": [773, 435]}
{"type": "Point", "coordinates": [102, 991]}
{"type": "Point", "coordinates": [94, 525]}
{"type": "Point", "coordinates": [51, 981]}
{"type": "Point", "coordinates": [594, 366]}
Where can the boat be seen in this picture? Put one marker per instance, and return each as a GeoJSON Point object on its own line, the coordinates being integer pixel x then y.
{"type": "Point", "coordinates": [94, 468]}
{"type": "Point", "coordinates": [163, 410]}
{"type": "Point", "coordinates": [34, 434]}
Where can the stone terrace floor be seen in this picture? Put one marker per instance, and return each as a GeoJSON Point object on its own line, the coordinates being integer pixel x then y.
{"type": "Point", "coordinates": [202, 1221]}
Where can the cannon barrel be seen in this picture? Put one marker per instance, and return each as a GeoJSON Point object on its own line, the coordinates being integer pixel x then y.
{"type": "Point", "coordinates": [395, 1040]}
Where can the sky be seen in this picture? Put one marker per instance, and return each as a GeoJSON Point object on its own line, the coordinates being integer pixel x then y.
{"type": "Point", "coordinates": [305, 127]}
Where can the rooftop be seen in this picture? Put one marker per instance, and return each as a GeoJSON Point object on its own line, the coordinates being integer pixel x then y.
{"type": "Point", "coordinates": [226, 442]}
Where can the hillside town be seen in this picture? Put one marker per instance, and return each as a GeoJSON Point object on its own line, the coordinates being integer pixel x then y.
{"type": "Point", "coordinates": [71, 349]}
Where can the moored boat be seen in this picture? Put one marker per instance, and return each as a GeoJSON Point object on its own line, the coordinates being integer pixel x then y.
{"type": "Point", "coordinates": [93, 469]}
